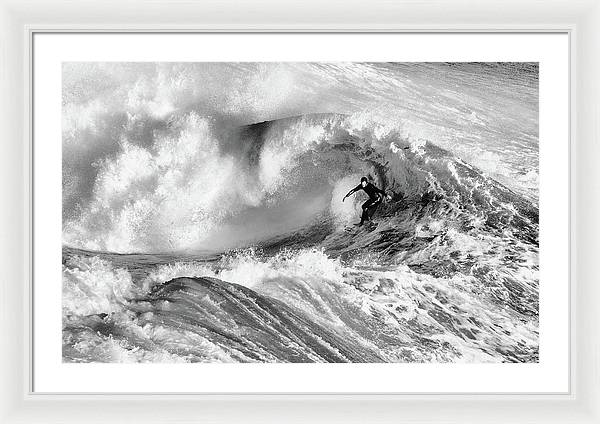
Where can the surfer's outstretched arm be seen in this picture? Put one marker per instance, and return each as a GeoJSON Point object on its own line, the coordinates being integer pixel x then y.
{"type": "Point", "coordinates": [354, 190]}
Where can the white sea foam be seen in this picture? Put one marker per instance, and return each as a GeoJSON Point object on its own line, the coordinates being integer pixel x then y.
{"type": "Point", "coordinates": [92, 286]}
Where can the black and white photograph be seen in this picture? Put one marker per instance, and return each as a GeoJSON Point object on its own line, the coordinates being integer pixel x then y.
{"type": "Point", "coordinates": [300, 212]}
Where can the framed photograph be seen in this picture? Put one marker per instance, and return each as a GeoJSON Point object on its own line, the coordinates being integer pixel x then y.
{"type": "Point", "coordinates": [305, 221]}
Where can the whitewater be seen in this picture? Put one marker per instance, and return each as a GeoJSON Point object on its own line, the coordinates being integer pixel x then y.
{"type": "Point", "coordinates": [203, 218]}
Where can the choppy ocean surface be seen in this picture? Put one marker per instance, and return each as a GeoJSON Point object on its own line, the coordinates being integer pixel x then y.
{"type": "Point", "coordinates": [203, 218]}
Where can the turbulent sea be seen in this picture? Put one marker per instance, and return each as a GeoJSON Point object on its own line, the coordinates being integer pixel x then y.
{"type": "Point", "coordinates": [203, 218]}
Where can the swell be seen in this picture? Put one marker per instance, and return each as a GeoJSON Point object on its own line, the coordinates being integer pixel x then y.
{"type": "Point", "coordinates": [293, 307]}
{"type": "Point", "coordinates": [251, 326]}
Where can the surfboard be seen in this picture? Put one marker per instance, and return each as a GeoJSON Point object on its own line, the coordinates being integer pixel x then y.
{"type": "Point", "coordinates": [367, 226]}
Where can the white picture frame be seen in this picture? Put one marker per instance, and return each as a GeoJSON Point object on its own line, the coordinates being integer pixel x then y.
{"type": "Point", "coordinates": [20, 20]}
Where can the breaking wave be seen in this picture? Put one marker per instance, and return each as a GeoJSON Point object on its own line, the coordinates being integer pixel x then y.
{"type": "Point", "coordinates": [193, 191]}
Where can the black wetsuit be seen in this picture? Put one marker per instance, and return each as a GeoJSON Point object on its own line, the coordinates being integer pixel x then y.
{"type": "Point", "coordinates": [374, 200]}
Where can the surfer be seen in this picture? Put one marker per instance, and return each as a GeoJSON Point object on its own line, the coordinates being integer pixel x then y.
{"type": "Point", "coordinates": [376, 196]}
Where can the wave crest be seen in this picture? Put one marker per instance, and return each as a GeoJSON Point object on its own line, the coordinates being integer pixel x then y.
{"type": "Point", "coordinates": [194, 189]}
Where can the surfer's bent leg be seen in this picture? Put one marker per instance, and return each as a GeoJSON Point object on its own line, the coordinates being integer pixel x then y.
{"type": "Point", "coordinates": [373, 207]}
{"type": "Point", "coordinates": [365, 211]}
